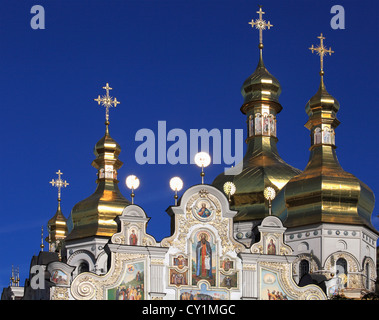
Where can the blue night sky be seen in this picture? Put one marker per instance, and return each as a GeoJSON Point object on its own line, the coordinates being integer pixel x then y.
{"type": "Point", "coordinates": [177, 61]}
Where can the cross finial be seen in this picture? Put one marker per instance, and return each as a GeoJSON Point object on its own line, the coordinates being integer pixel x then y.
{"type": "Point", "coordinates": [59, 183]}
{"type": "Point", "coordinates": [107, 101]}
{"type": "Point", "coordinates": [261, 25]}
{"type": "Point", "coordinates": [321, 50]}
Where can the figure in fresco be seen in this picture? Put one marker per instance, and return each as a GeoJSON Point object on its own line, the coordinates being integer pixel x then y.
{"type": "Point", "coordinates": [258, 124]}
{"type": "Point", "coordinates": [271, 249]}
{"type": "Point", "coordinates": [326, 136]}
{"type": "Point", "coordinates": [178, 278]}
{"type": "Point", "coordinates": [333, 136]}
{"type": "Point", "coordinates": [133, 238]}
{"type": "Point", "coordinates": [227, 264]}
{"type": "Point", "coordinates": [266, 125]}
{"type": "Point", "coordinates": [272, 125]}
{"type": "Point", "coordinates": [204, 257]}
{"type": "Point", "coordinates": [276, 295]}
{"type": "Point", "coordinates": [204, 212]}
{"type": "Point", "coordinates": [180, 262]}
{"type": "Point", "coordinates": [251, 126]}
{"type": "Point", "coordinates": [317, 136]}
{"type": "Point", "coordinates": [59, 277]}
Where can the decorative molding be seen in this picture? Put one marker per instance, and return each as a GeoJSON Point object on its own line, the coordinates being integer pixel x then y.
{"type": "Point", "coordinates": [60, 293]}
{"type": "Point", "coordinates": [88, 286]}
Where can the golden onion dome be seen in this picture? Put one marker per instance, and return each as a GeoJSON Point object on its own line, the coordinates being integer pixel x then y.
{"type": "Point", "coordinates": [107, 150]}
{"type": "Point", "coordinates": [262, 165]}
{"type": "Point", "coordinates": [324, 192]}
{"type": "Point", "coordinates": [322, 101]}
{"type": "Point", "coordinates": [57, 225]}
{"type": "Point", "coordinates": [94, 216]}
{"type": "Point", "coordinates": [260, 86]}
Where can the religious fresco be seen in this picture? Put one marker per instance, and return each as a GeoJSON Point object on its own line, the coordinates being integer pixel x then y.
{"type": "Point", "coordinates": [178, 278]}
{"type": "Point", "coordinates": [271, 247]}
{"type": "Point", "coordinates": [271, 288]}
{"type": "Point", "coordinates": [204, 293]}
{"type": "Point", "coordinates": [203, 258]}
{"type": "Point", "coordinates": [258, 124]}
{"type": "Point", "coordinates": [133, 236]}
{"type": "Point", "coordinates": [266, 124]}
{"type": "Point", "coordinates": [203, 209]}
{"type": "Point", "coordinates": [229, 280]}
{"type": "Point", "coordinates": [327, 136]}
{"type": "Point", "coordinates": [180, 261]}
{"type": "Point", "coordinates": [272, 122]}
{"type": "Point", "coordinates": [59, 277]}
{"type": "Point", "coordinates": [227, 264]}
{"type": "Point", "coordinates": [132, 285]}
{"type": "Point", "coordinates": [251, 126]}
{"type": "Point", "coordinates": [317, 136]}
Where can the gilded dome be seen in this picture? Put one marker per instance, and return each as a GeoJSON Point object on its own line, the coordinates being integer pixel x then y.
{"type": "Point", "coordinates": [262, 165]}
{"type": "Point", "coordinates": [57, 225]}
{"type": "Point", "coordinates": [261, 85]}
{"type": "Point", "coordinates": [94, 216]}
{"type": "Point", "coordinates": [324, 192]}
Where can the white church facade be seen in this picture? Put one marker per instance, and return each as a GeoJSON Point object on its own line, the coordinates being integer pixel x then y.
{"type": "Point", "coordinates": [311, 241]}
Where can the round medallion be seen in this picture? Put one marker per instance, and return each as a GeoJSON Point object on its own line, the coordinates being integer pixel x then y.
{"type": "Point", "coordinates": [203, 210]}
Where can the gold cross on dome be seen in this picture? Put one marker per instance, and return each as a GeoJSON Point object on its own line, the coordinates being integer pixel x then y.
{"type": "Point", "coordinates": [260, 24]}
{"type": "Point", "coordinates": [59, 183]}
{"type": "Point", "coordinates": [321, 51]}
{"type": "Point", "coordinates": [107, 101]}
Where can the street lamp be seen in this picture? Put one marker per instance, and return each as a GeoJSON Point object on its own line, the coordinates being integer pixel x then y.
{"type": "Point", "coordinates": [132, 182]}
{"type": "Point", "coordinates": [176, 184]}
{"type": "Point", "coordinates": [229, 189]}
{"type": "Point", "coordinates": [269, 194]}
{"type": "Point", "coordinates": [202, 159]}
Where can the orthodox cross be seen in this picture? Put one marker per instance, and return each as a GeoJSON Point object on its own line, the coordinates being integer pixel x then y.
{"type": "Point", "coordinates": [321, 51]}
{"type": "Point", "coordinates": [107, 101]}
{"type": "Point", "coordinates": [59, 183]}
{"type": "Point", "coordinates": [261, 25]}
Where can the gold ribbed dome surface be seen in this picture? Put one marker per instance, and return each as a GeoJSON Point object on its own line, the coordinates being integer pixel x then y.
{"type": "Point", "coordinates": [261, 86]}
{"type": "Point", "coordinates": [262, 165]}
{"type": "Point", "coordinates": [94, 216]}
{"type": "Point", "coordinates": [324, 192]}
{"type": "Point", "coordinates": [57, 225]}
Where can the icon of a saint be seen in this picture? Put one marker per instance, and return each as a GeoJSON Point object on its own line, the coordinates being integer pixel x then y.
{"type": "Point", "coordinates": [204, 257]}
{"type": "Point", "coordinates": [204, 212]}
{"type": "Point", "coordinates": [133, 238]}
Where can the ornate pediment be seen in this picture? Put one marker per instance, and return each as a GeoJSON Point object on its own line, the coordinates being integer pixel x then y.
{"type": "Point", "coordinates": [132, 225]}
{"type": "Point", "coordinates": [272, 240]}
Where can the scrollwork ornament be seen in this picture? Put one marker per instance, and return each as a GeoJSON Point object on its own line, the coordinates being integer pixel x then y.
{"type": "Point", "coordinates": [84, 290]}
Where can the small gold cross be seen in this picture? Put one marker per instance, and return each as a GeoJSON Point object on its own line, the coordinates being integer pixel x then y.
{"type": "Point", "coordinates": [107, 101]}
{"type": "Point", "coordinates": [321, 50]}
{"type": "Point", "coordinates": [59, 183]}
{"type": "Point", "coordinates": [261, 25]}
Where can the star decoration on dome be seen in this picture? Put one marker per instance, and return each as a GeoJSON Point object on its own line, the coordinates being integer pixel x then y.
{"type": "Point", "coordinates": [321, 50]}
{"type": "Point", "coordinates": [59, 183]}
{"type": "Point", "coordinates": [107, 101]}
{"type": "Point", "coordinates": [260, 24]}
